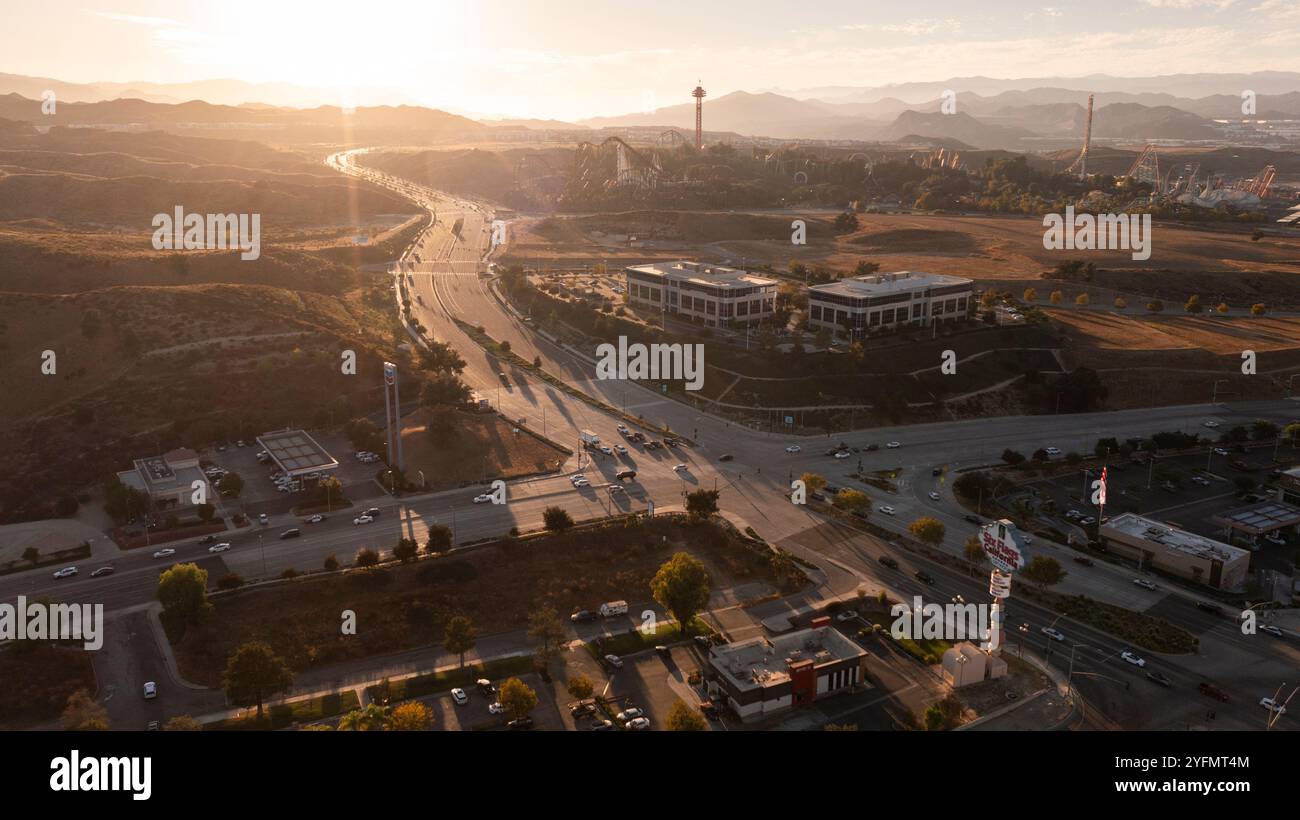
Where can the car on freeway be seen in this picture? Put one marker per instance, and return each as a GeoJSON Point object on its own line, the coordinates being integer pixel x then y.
{"type": "Point", "coordinates": [459, 696]}
{"type": "Point", "coordinates": [843, 454]}
{"type": "Point", "coordinates": [886, 509]}
{"type": "Point", "coordinates": [1200, 479]}
{"type": "Point", "coordinates": [483, 498]}
{"type": "Point", "coordinates": [1087, 521]}
{"type": "Point", "coordinates": [373, 512]}
{"type": "Point", "coordinates": [1206, 606]}
{"type": "Point", "coordinates": [1211, 423]}
{"type": "Point", "coordinates": [1269, 628]}
{"type": "Point", "coordinates": [66, 572]}
{"type": "Point", "coordinates": [642, 724]}
{"type": "Point", "coordinates": [207, 539]}
{"type": "Point", "coordinates": [973, 519]}
{"type": "Point", "coordinates": [846, 615]}
{"type": "Point", "coordinates": [1144, 583]}
{"type": "Point", "coordinates": [888, 561]}
{"type": "Point", "coordinates": [102, 571]}
{"type": "Point", "coordinates": [1129, 657]}
{"type": "Point", "coordinates": [150, 690]}
{"type": "Point", "coordinates": [1053, 634]}
{"type": "Point", "coordinates": [726, 457]}
{"type": "Point", "coordinates": [264, 519]}
{"type": "Point", "coordinates": [1052, 451]}
{"type": "Point", "coordinates": [362, 519]}
{"type": "Point", "coordinates": [1158, 678]}
{"type": "Point", "coordinates": [630, 713]}
{"type": "Point", "coordinates": [934, 496]}
{"type": "Point", "coordinates": [292, 532]}
{"type": "Point", "coordinates": [614, 661]}
{"type": "Point", "coordinates": [923, 576]}
{"type": "Point", "coordinates": [893, 445]}
{"type": "Point", "coordinates": [316, 519]}
{"type": "Point", "coordinates": [163, 553]}
{"type": "Point", "coordinates": [581, 482]}
{"type": "Point", "coordinates": [222, 547]}
{"type": "Point", "coordinates": [1273, 706]}
{"type": "Point", "coordinates": [1219, 451]}
{"type": "Point", "coordinates": [622, 429]}
{"type": "Point", "coordinates": [794, 448]}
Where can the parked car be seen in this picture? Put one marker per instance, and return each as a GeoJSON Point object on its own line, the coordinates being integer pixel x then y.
{"type": "Point", "coordinates": [602, 725]}
{"type": "Point", "coordinates": [485, 688]}
{"type": "Point", "coordinates": [623, 475]}
{"type": "Point", "coordinates": [520, 724]}
{"type": "Point", "coordinates": [614, 661]}
{"type": "Point", "coordinates": [495, 708]}
{"type": "Point", "coordinates": [620, 449]}
{"type": "Point", "coordinates": [615, 489]}
{"type": "Point", "coordinates": [583, 615]}
{"type": "Point", "coordinates": [459, 696]}
{"type": "Point", "coordinates": [642, 724]}
{"type": "Point", "coordinates": [150, 690]}
{"type": "Point", "coordinates": [264, 519]}
{"type": "Point", "coordinates": [846, 615]}
{"type": "Point", "coordinates": [1053, 634]}
{"type": "Point", "coordinates": [630, 713]}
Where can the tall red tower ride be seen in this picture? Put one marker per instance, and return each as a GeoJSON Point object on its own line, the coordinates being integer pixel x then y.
{"type": "Point", "coordinates": [698, 94]}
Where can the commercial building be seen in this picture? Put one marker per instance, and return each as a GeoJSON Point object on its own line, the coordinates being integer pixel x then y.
{"type": "Point", "coordinates": [1289, 486]}
{"type": "Point", "coordinates": [296, 453]}
{"type": "Point", "coordinates": [168, 479]}
{"type": "Point", "coordinates": [863, 304]}
{"type": "Point", "coordinates": [711, 294]}
{"type": "Point", "coordinates": [757, 677]}
{"type": "Point", "coordinates": [1269, 520]}
{"type": "Point", "coordinates": [1174, 551]}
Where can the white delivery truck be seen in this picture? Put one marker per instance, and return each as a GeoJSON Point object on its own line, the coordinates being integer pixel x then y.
{"type": "Point", "coordinates": [611, 608]}
{"type": "Point", "coordinates": [589, 439]}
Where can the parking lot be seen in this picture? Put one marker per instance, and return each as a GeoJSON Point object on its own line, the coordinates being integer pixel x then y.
{"type": "Point", "coordinates": [474, 715]}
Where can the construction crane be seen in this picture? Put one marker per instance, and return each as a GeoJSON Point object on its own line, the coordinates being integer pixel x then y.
{"type": "Point", "coordinates": [1080, 165]}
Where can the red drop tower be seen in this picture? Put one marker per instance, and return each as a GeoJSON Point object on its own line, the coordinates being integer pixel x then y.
{"type": "Point", "coordinates": [698, 94]}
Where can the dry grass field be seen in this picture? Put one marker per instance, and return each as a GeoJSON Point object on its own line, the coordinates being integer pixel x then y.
{"type": "Point", "coordinates": [481, 447]}
{"type": "Point", "coordinates": [38, 681]}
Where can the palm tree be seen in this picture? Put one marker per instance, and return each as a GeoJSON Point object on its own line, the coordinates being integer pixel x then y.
{"type": "Point", "coordinates": [372, 717]}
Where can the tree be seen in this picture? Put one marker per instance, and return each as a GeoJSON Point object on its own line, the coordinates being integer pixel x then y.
{"type": "Point", "coordinates": [1223, 307]}
{"type": "Point", "coordinates": [459, 637]}
{"type": "Point", "coordinates": [580, 687]}
{"type": "Point", "coordinates": [846, 222]}
{"type": "Point", "coordinates": [83, 714]}
{"type": "Point", "coordinates": [1055, 297]}
{"type": "Point", "coordinates": [1043, 571]}
{"type": "Point", "coordinates": [852, 501]}
{"type": "Point", "coordinates": [366, 558]}
{"type": "Point", "coordinates": [547, 631]}
{"type": "Point", "coordinates": [1082, 300]}
{"type": "Point", "coordinates": [254, 673]}
{"type": "Point", "coordinates": [231, 484]}
{"type": "Point", "coordinates": [974, 551]}
{"type": "Point", "coordinates": [32, 555]}
{"type": "Point", "coordinates": [944, 715]}
{"type": "Point", "coordinates": [183, 592]}
{"type": "Point", "coordinates": [411, 716]}
{"type": "Point", "coordinates": [682, 718]}
{"type": "Point", "coordinates": [700, 504]}
{"type": "Point", "coordinates": [182, 723]}
{"type": "Point", "coordinates": [1120, 303]}
{"type": "Point", "coordinates": [231, 580]}
{"type": "Point", "coordinates": [331, 562]}
{"type": "Point", "coordinates": [813, 482]}
{"type": "Point", "coordinates": [206, 512]}
{"type": "Point", "coordinates": [406, 550]}
{"type": "Point", "coordinates": [1193, 304]}
{"type": "Point", "coordinates": [556, 519]}
{"type": "Point", "coordinates": [1155, 306]}
{"type": "Point", "coordinates": [374, 716]}
{"type": "Point", "coordinates": [682, 587]}
{"type": "Point", "coordinates": [1012, 457]}
{"type": "Point", "coordinates": [517, 697]}
{"type": "Point", "coordinates": [1257, 309]}
{"type": "Point", "coordinates": [1040, 455]}
{"type": "Point", "coordinates": [439, 538]}
{"type": "Point", "coordinates": [1031, 295]}
{"type": "Point", "coordinates": [930, 530]}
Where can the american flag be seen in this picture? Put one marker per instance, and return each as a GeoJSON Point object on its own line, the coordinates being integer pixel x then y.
{"type": "Point", "coordinates": [1101, 496]}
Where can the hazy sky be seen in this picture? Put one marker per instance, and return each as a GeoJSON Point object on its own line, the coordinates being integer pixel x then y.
{"type": "Point", "coordinates": [574, 58]}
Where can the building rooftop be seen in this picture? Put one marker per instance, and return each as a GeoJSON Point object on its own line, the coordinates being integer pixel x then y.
{"type": "Point", "coordinates": [1173, 539]}
{"type": "Point", "coordinates": [1265, 516]}
{"type": "Point", "coordinates": [296, 452]}
{"type": "Point", "coordinates": [760, 662]}
{"type": "Point", "coordinates": [704, 274]}
{"type": "Point", "coordinates": [881, 284]}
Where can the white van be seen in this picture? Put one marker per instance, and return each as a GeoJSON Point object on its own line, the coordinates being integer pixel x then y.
{"type": "Point", "coordinates": [611, 608]}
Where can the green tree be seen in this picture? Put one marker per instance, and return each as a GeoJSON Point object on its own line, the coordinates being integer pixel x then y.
{"type": "Point", "coordinates": [439, 538]}
{"type": "Point", "coordinates": [700, 504]}
{"type": "Point", "coordinates": [331, 562]}
{"type": "Point", "coordinates": [683, 718]}
{"type": "Point", "coordinates": [1056, 297]}
{"type": "Point", "coordinates": [682, 587]}
{"type": "Point", "coordinates": [930, 530]}
{"type": "Point", "coordinates": [813, 482]}
{"type": "Point", "coordinates": [517, 697]}
{"type": "Point", "coordinates": [556, 519]}
{"type": "Point", "coordinates": [206, 512]}
{"type": "Point", "coordinates": [231, 484]}
{"type": "Point", "coordinates": [1012, 457]}
{"type": "Point", "coordinates": [1082, 300]}
{"type": "Point", "coordinates": [253, 674]}
{"type": "Point", "coordinates": [459, 637]}
{"type": "Point", "coordinates": [183, 592]}
{"type": "Point", "coordinates": [406, 550]}
{"type": "Point", "coordinates": [83, 714]}
{"type": "Point", "coordinates": [1155, 306]}
{"type": "Point", "coordinates": [1044, 571]}
{"type": "Point", "coordinates": [852, 501]}
{"type": "Point", "coordinates": [1031, 295]}
{"type": "Point", "coordinates": [546, 630]}
{"type": "Point", "coordinates": [974, 552]}
{"type": "Point", "coordinates": [1193, 304]}
{"type": "Point", "coordinates": [32, 555]}
{"type": "Point", "coordinates": [373, 717]}
{"type": "Point", "coordinates": [1257, 309]}
{"type": "Point", "coordinates": [366, 558]}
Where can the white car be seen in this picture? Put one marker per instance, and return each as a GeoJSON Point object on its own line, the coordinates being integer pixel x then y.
{"type": "Point", "coordinates": [622, 429]}
{"type": "Point", "coordinates": [576, 477]}
{"type": "Point", "coordinates": [1211, 424]}
{"type": "Point", "coordinates": [495, 708]}
{"type": "Point", "coordinates": [1272, 630]}
{"type": "Point", "coordinates": [163, 553]}
{"type": "Point", "coordinates": [1133, 659]}
{"type": "Point", "coordinates": [681, 468]}
{"type": "Point", "coordinates": [606, 449]}
{"type": "Point", "coordinates": [66, 572]}
{"type": "Point", "coordinates": [629, 714]}
{"type": "Point", "coordinates": [639, 724]}
{"type": "Point", "coordinates": [615, 489]}
{"type": "Point", "coordinates": [362, 519]}
{"type": "Point", "coordinates": [893, 445]}
{"type": "Point", "coordinates": [614, 661]}
{"type": "Point", "coordinates": [1200, 479]}
{"type": "Point", "coordinates": [581, 482]}
{"type": "Point", "coordinates": [887, 510]}
{"type": "Point", "coordinates": [222, 547]}
{"type": "Point", "coordinates": [1272, 706]}
{"type": "Point", "coordinates": [1144, 583]}
{"type": "Point", "coordinates": [1219, 451]}
{"type": "Point", "coordinates": [843, 454]}
{"type": "Point", "coordinates": [846, 615]}
{"type": "Point", "coordinates": [1052, 451]}
{"type": "Point", "coordinates": [483, 498]}
{"type": "Point", "coordinates": [315, 519]}
{"type": "Point", "coordinates": [1053, 634]}
{"type": "Point", "coordinates": [150, 690]}
{"type": "Point", "coordinates": [794, 448]}
{"type": "Point", "coordinates": [620, 449]}
{"type": "Point", "coordinates": [934, 496]}
{"type": "Point", "coordinates": [459, 696]}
